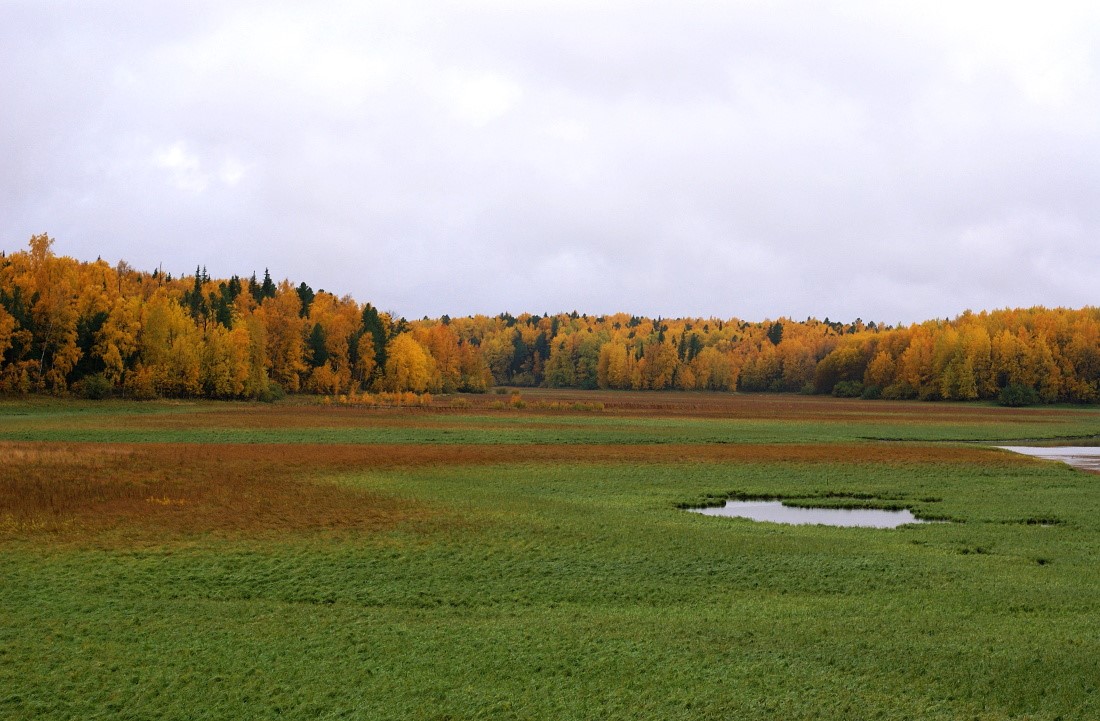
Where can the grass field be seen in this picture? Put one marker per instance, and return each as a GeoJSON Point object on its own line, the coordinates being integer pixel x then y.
{"type": "Point", "coordinates": [476, 559]}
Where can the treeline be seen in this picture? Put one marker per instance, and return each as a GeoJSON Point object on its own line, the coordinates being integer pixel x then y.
{"type": "Point", "coordinates": [96, 329]}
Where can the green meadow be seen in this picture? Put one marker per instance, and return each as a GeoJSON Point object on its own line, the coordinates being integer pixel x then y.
{"type": "Point", "coordinates": [231, 561]}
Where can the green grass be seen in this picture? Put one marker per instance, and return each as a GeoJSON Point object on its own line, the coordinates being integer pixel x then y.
{"type": "Point", "coordinates": [579, 590]}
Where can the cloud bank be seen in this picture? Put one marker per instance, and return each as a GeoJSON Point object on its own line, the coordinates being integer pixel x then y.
{"type": "Point", "coordinates": [744, 159]}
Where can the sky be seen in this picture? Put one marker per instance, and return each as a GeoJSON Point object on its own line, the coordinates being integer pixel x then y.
{"type": "Point", "coordinates": [889, 161]}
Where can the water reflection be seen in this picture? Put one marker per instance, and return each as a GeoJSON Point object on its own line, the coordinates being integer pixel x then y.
{"type": "Point", "coordinates": [776, 512]}
{"type": "Point", "coordinates": [1086, 457]}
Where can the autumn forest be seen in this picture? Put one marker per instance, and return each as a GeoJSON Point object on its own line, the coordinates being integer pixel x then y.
{"type": "Point", "coordinates": [89, 328]}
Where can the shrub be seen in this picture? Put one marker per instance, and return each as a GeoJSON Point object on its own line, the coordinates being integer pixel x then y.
{"type": "Point", "coordinates": [1017, 394]}
{"type": "Point", "coordinates": [848, 389]}
{"type": "Point", "coordinates": [900, 391]}
{"type": "Point", "coordinates": [95, 387]}
{"type": "Point", "coordinates": [871, 393]}
{"type": "Point", "coordinates": [273, 392]}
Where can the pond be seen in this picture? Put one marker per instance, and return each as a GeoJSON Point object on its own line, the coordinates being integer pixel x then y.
{"type": "Point", "coordinates": [776, 512]}
{"type": "Point", "coordinates": [1084, 457]}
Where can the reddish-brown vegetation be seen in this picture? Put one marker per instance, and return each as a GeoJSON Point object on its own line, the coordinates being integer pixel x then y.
{"type": "Point", "coordinates": [75, 490]}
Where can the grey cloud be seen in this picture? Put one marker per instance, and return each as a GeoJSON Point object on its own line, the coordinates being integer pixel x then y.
{"type": "Point", "coordinates": [748, 159]}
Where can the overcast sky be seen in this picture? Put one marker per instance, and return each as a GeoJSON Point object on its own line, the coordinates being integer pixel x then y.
{"type": "Point", "coordinates": [891, 161]}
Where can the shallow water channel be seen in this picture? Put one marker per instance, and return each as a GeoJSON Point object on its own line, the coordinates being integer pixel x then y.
{"type": "Point", "coordinates": [1085, 457]}
{"type": "Point", "coordinates": [776, 512]}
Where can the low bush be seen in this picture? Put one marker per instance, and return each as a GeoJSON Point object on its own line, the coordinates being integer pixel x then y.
{"type": "Point", "coordinates": [95, 387]}
{"type": "Point", "coordinates": [1017, 395]}
{"type": "Point", "coordinates": [900, 391]}
{"type": "Point", "coordinates": [871, 393]}
{"type": "Point", "coordinates": [273, 392]}
{"type": "Point", "coordinates": [848, 389]}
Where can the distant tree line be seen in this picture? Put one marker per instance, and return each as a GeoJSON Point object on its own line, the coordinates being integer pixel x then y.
{"type": "Point", "coordinates": [90, 328]}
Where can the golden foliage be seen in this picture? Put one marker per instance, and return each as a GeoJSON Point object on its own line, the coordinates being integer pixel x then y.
{"type": "Point", "coordinates": [149, 334]}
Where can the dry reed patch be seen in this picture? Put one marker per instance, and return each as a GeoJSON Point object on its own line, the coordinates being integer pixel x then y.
{"type": "Point", "coordinates": [160, 491]}
{"type": "Point", "coordinates": [62, 454]}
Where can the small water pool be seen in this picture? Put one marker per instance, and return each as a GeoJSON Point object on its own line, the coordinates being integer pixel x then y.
{"type": "Point", "coordinates": [1085, 457]}
{"type": "Point", "coordinates": [776, 512]}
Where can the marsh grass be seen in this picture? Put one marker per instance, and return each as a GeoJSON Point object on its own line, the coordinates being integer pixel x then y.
{"type": "Point", "coordinates": [379, 564]}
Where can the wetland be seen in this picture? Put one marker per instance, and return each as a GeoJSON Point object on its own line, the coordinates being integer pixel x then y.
{"type": "Point", "coordinates": [214, 560]}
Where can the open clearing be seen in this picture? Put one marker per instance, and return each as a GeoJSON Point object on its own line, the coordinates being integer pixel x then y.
{"type": "Point", "coordinates": [478, 560]}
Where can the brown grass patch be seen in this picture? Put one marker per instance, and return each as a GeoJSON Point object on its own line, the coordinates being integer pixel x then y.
{"type": "Point", "coordinates": [411, 455]}
{"type": "Point", "coordinates": [161, 491]}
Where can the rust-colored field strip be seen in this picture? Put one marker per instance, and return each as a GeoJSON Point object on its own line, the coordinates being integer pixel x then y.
{"type": "Point", "coordinates": [71, 490]}
{"type": "Point", "coordinates": [74, 490]}
{"type": "Point", "coordinates": [380, 456]}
